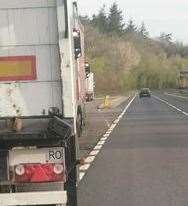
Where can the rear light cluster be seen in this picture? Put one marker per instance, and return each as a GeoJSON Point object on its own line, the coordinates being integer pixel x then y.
{"type": "Point", "coordinates": [37, 173]}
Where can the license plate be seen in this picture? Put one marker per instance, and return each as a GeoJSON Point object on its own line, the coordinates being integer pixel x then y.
{"type": "Point", "coordinates": [55, 155]}
{"type": "Point", "coordinates": [30, 156]}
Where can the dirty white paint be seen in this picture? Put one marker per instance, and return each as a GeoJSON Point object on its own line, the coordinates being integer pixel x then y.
{"type": "Point", "coordinates": [34, 198]}
{"type": "Point", "coordinates": [37, 28]}
{"type": "Point", "coordinates": [31, 29]}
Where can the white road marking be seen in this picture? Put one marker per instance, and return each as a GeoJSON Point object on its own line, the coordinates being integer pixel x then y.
{"type": "Point", "coordinates": [108, 132]}
{"type": "Point", "coordinates": [94, 153]}
{"type": "Point", "coordinates": [170, 105]}
{"type": "Point", "coordinates": [89, 160]}
{"type": "Point", "coordinates": [112, 127]}
{"type": "Point", "coordinates": [98, 147]}
{"type": "Point", "coordinates": [174, 95]}
{"type": "Point", "coordinates": [116, 121]}
{"type": "Point", "coordinates": [85, 167]}
{"type": "Point", "coordinates": [106, 135]}
{"type": "Point", "coordinates": [101, 142]}
{"type": "Point", "coordinates": [185, 113]}
{"type": "Point", "coordinates": [104, 138]}
{"type": "Point", "coordinates": [82, 174]}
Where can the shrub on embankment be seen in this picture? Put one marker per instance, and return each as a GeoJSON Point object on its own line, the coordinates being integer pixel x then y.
{"type": "Point", "coordinates": [124, 57]}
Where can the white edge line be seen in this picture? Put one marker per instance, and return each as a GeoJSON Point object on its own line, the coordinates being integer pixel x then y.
{"type": "Point", "coordinates": [106, 135]}
{"type": "Point", "coordinates": [82, 174]}
{"type": "Point", "coordinates": [97, 147]}
{"type": "Point", "coordinates": [101, 142]}
{"type": "Point", "coordinates": [92, 155]}
{"type": "Point", "coordinates": [90, 159]}
{"type": "Point", "coordinates": [85, 167]}
{"type": "Point", "coordinates": [174, 95]}
{"type": "Point", "coordinates": [103, 138]}
{"type": "Point", "coordinates": [170, 105]}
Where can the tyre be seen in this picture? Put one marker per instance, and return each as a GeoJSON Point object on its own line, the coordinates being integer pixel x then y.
{"type": "Point", "coordinates": [79, 123]}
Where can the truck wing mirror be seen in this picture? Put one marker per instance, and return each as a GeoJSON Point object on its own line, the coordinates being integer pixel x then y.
{"type": "Point", "coordinates": [77, 43]}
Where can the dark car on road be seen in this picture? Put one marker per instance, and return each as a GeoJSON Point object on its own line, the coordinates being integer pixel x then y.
{"type": "Point", "coordinates": [145, 92]}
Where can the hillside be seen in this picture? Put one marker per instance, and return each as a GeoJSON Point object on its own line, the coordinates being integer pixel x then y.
{"type": "Point", "coordinates": [124, 57]}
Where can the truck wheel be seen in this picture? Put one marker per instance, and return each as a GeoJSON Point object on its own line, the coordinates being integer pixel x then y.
{"type": "Point", "coordinates": [79, 123]}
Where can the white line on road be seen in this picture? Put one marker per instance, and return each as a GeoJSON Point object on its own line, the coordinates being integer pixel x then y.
{"type": "Point", "coordinates": [89, 159]}
{"type": "Point", "coordinates": [170, 105]}
{"type": "Point", "coordinates": [103, 138]}
{"type": "Point", "coordinates": [85, 167]}
{"type": "Point", "coordinates": [100, 144]}
{"type": "Point", "coordinates": [98, 147]}
{"type": "Point", "coordinates": [116, 121]}
{"type": "Point", "coordinates": [174, 95]}
{"type": "Point", "coordinates": [94, 153]}
{"type": "Point", "coordinates": [82, 174]}
{"type": "Point", "coordinates": [106, 135]}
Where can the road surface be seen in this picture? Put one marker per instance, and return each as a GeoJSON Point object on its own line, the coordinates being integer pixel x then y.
{"type": "Point", "coordinates": [145, 160]}
{"type": "Point", "coordinates": [97, 122]}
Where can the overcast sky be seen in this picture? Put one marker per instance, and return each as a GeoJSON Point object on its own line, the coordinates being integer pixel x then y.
{"type": "Point", "coordinates": [169, 16]}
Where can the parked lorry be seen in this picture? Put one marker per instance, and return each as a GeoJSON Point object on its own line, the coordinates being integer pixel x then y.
{"type": "Point", "coordinates": [41, 101]}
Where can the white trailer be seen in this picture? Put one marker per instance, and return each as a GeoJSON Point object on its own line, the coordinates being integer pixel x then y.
{"type": "Point", "coordinates": [90, 83]}
{"type": "Point", "coordinates": [90, 86]}
{"type": "Point", "coordinates": [40, 112]}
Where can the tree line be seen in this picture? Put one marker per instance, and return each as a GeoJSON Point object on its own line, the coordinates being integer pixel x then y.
{"type": "Point", "coordinates": [113, 22]}
{"type": "Point", "coordinates": [125, 55]}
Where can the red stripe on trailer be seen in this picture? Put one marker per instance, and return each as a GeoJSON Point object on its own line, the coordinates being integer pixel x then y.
{"type": "Point", "coordinates": [17, 68]}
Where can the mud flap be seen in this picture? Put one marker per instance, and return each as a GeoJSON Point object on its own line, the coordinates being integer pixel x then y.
{"type": "Point", "coordinates": [3, 165]}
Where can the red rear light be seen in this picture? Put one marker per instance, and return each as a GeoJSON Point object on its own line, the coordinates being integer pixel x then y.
{"type": "Point", "coordinates": [36, 173]}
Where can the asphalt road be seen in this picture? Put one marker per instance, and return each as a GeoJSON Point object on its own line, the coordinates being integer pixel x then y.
{"type": "Point", "coordinates": [145, 161]}
{"type": "Point", "coordinates": [97, 122]}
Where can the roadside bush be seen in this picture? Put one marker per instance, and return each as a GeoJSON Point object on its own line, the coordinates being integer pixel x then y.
{"type": "Point", "coordinates": [129, 59]}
